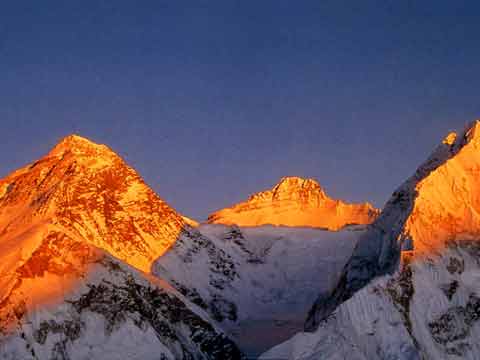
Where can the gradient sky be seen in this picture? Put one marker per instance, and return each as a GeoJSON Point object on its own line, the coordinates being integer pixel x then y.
{"type": "Point", "coordinates": [213, 100]}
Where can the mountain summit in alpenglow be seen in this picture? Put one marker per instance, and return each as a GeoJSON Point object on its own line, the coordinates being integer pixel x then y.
{"type": "Point", "coordinates": [295, 201]}
{"type": "Point", "coordinates": [85, 189]}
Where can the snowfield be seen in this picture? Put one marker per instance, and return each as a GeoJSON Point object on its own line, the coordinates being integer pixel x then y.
{"type": "Point", "coordinates": [257, 282]}
{"type": "Point", "coordinates": [429, 309]}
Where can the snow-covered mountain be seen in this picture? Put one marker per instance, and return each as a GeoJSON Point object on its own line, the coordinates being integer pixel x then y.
{"type": "Point", "coordinates": [412, 287]}
{"type": "Point", "coordinates": [62, 293]}
{"type": "Point", "coordinates": [88, 191]}
{"type": "Point", "coordinates": [257, 282]}
{"type": "Point", "coordinates": [295, 202]}
{"type": "Point", "coordinates": [71, 300]}
{"type": "Point", "coordinates": [80, 231]}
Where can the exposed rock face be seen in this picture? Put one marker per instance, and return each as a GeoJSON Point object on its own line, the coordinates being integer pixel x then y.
{"type": "Point", "coordinates": [411, 289]}
{"type": "Point", "coordinates": [295, 202]}
{"type": "Point", "coordinates": [62, 296]}
{"type": "Point", "coordinates": [86, 190]}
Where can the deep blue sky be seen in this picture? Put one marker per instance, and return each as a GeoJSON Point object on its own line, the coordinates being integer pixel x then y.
{"type": "Point", "coordinates": [213, 100]}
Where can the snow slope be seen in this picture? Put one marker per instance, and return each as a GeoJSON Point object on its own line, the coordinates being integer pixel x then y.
{"type": "Point", "coordinates": [258, 282]}
{"type": "Point", "coordinates": [71, 300]}
{"type": "Point", "coordinates": [295, 202]}
{"type": "Point", "coordinates": [419, 303]}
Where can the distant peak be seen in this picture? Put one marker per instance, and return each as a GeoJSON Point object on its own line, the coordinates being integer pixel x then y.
{"type": "Point", "coordinates": [74, 140]}
{"type": "Point", "coordinates": [293, 179]}
{"type": "Point", "coordinates": [78, 145]}
{"type": "Point", "coordinates": [295, 201]}
{"type": "Point", "coordinates": [450, 139]}
{"type": "Point", "coordinates": [290, 183]}
{"type": "Point", "coordinates": [296, 181]}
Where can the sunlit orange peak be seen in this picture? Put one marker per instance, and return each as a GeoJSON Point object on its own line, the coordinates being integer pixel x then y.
{"type": "Point", "coordinates": [87, 191]}
{"type": "Point", "coordinates": [295, 201]}
{"type": "Point", "coordinates": [77, 144]}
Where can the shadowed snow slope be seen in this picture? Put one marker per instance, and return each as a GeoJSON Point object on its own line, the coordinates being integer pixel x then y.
{"type": "Point", "coordinates": [424, 302]}
{"type": "Point", "coordinates": [61, 295]}
{"type": "Point", "coordinates": [258, 282]}
{"type": "Point", "coordinates": [295, 202]}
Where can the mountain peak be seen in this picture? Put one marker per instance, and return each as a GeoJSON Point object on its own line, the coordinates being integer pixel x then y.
{"type": "Point", "coordinates": [298, 188]}
{"type": "Point", "coordinates": [295, 201]}
{"type": "Point", "coordinates": [78, 145]}
{"type": "Point", "coordinates": [450, 138]}
{"type": "Point", "coordinates": [86, 189]}
{"type": "Point", "coordinates": [297, 182]}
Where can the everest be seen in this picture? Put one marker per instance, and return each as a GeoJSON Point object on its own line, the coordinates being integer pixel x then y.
{"type": "Point", "coordinates": [79, 230]}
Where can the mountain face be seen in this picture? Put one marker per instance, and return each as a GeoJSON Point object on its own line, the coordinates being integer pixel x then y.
{"type": "Point", "coordinates": [62, 293]}
{"type": "Point", "coordinates": [411, 287]}
{"type": "Point", "coordinates": [295, 202]}
{"type": "Point", "coordinates": [81, 303]}
{"type": "Point", "coordinates": [258, 283]}
{"type": "Point", "coordinates": [86, 190]}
